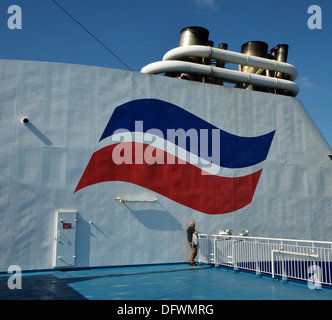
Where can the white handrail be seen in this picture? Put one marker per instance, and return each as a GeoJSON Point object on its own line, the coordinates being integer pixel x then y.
{"type": "Point", "coordinates": [231, 56]}
{"type": "Point", "coordinates": [221, 73]}
{"type": "Point", "coordinates": [269, 239]}
{"type": "Point", "coordinates": [288, 258]}
{"type": "Point", "coordinates": [309, 255]}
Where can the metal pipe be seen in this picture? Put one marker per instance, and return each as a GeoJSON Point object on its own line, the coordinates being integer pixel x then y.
{"type": "Point", "coordinates": [221, 64]}
{"type": "Point", "coordinates": [254, 48]}
{"type": "Point", "coordinates": [257, 49]}
{"type": "Point", "coordinates": [232, 57]}
{"type": "Point", "coordinates": [295, 253]}
{"type": "Point", "coordinates": [281, 55]}
{"type": "Point", "coordinates": [287, 252]}
{"type": "Point", "coordinates": [221, 73]}
{"type": "Point", "coordinates": [193, 36]}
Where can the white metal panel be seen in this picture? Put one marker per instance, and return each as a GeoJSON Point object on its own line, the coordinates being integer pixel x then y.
{"type": "Point", "coordinates": [65, 238]}
{"type": "Point", "coordinates": [41, 164]}
{"type": "Point", "coordinates": [8, 100]}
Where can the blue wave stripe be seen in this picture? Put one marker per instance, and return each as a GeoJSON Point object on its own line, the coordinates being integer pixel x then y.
{"type": "Point", "coordinates": [235, 151]}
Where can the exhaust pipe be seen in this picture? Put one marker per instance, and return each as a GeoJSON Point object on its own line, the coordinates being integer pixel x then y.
{"type": "Point", "coordinates": [254, 48]}
{"type": "Point", "coordinates": [280, 53]}
{"type": "Point", "coordinates": [193, 36]}
{"type": "Point", "coordinates": [258, 49]}
{"type": "Point", "coordinates": [221, 64]}
{"type": "Point", "coordinates": [259, 69]}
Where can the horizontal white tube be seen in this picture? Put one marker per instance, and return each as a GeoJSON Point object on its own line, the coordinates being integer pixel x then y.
{"type": "Point", "coordinates": [296, 253]}
{"type": "Point", "coordinates": [221, 73]}
{"type": "Point", "coordinates": [232, 57]}
{"type": "Point", "coordinates": [135, 200]}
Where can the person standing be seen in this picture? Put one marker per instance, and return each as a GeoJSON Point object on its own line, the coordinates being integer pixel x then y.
{"type": "Point", "coordinates": [192, 239]}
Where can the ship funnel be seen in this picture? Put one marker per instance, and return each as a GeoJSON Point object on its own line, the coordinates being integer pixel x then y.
{"type": "Point", "coordinates": [190, 36]}
{"type": "Point", "coordinates": [258, 49]}
{"type": "Point", "coordinates": [256, 68]}
{"type": "Point", "coordinates": [280, 53]}
{"type": "Point", "coordinates": [254, 48]}
{"type": "Point", "coordinates": [221, 63]}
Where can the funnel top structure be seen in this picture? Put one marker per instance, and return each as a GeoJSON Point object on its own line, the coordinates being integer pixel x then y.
{"type": "Point", "coordinates": [255, 68]}
{"type": "Point", "coordinates": [193, 36]}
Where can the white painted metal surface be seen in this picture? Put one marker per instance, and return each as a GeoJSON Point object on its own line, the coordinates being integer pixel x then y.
{"type": "Point", "coordinates": [69, 106]}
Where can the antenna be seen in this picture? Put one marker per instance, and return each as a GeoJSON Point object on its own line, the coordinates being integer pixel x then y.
{"type": "Point", "coordinates": [108, 49]}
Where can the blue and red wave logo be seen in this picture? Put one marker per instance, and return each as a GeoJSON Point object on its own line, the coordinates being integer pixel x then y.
{"type": "Point", "coordinates": [162, 147]}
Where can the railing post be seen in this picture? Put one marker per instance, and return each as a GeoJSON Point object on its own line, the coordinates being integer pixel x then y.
{"type": "Point", "coordinates": [272, 264]}
{"type": "Point", "coordinates": [283, 269]}
{"type": "Point", "coordinates": [234, 252]}
{"type": "Point", "coordinates": [214, 252]}
{"type": "Point", "coordinates": [258, 271]}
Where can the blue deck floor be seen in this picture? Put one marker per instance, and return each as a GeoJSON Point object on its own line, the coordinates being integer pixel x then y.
{"type": "Point", "coordinates": [159, 282]}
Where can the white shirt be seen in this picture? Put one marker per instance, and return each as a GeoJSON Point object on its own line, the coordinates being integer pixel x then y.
{"type": "Point", "coordinates": [195, 239]}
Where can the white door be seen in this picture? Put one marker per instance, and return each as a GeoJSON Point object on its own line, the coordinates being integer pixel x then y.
{"type": "Point", "coordinates": [65, 238]}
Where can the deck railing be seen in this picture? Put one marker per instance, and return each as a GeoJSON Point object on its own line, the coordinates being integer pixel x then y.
{"type": "Point", "coordinates": [304, 260]}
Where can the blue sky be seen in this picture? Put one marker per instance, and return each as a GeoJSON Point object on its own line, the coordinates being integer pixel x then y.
{"type": "Point", "coordinates": [140, 32]}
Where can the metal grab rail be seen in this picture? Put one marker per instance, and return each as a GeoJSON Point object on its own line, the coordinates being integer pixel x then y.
{"type": "Point", "coordinates": [232, 57]}
{"type": "Point", "coordinates": [304, 260]}
{"type": "Point", "coordinates": [221, 73]}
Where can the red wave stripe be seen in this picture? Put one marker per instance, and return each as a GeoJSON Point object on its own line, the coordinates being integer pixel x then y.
{"type": "Point", "coordinates": [183, 183]}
